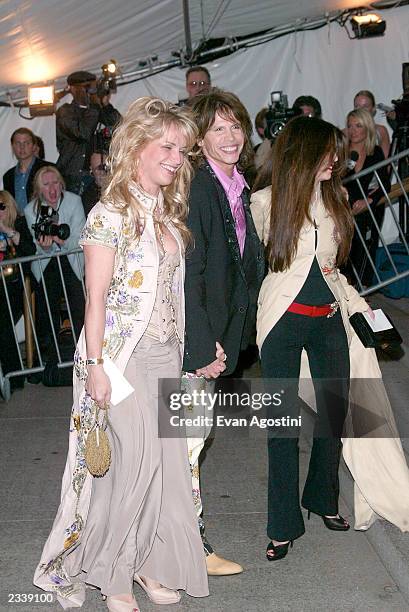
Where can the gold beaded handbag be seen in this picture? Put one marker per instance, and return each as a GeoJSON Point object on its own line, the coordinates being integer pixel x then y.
{"type": "Point", "coordinates": [97, 446]}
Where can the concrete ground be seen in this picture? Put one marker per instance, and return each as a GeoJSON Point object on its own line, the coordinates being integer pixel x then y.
{"type": "Point", "coordinates": [325, 571]}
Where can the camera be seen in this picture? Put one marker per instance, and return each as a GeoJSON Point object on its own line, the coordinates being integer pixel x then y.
{"type": "Point", "coordinates": [278, 115]}
{"type": "Point", "coordinates": [105, 86]}
{"type": "Point", "coordinates": [46, 226]}
{"type": "Point", "coordinates": [401, 105]}
{"type": "Point", "coordinates": [402, 109]}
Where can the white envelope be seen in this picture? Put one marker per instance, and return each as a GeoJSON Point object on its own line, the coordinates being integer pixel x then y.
{"type": "Point", "coordinates": [119, 385]}
{"type": "Point", "coordinates": [380, 322]}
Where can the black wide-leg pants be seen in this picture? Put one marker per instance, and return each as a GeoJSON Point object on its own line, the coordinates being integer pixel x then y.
{"type": "Point", "coordinates": [326, 344]}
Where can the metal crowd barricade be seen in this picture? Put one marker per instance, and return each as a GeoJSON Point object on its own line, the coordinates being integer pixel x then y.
{"type": "Point", "coordinates": [397, 193]}
{"type": "Point", "coordinates": [28, 363]}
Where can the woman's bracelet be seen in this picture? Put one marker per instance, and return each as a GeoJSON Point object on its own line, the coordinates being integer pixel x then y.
{"type": "Point", "coordinates": [94, 361]}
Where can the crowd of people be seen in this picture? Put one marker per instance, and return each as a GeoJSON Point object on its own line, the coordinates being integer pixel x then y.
{"type": "Point", "coordinates": [183, 264]}
{"type": "Point", "coordinates": [46, 195]}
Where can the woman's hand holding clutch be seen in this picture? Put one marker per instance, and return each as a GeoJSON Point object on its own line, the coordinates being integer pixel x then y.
{"type": "Point", "coordinates": [98, 385]}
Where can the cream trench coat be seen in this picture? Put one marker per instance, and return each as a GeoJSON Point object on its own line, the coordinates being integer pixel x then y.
{"type": "Point", "coordinates": [377, 464]}
{"type": "Point", "coordinates": [129, 305]}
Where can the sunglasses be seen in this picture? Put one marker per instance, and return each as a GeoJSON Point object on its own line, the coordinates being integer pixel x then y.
{"type": "Point", "coordinates": [2, 206]}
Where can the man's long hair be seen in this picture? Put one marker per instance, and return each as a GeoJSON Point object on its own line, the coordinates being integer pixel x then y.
{"type": "Point", "coordinates": [298, 153]}
{"type": "Point", "coordinates": [227, 105]}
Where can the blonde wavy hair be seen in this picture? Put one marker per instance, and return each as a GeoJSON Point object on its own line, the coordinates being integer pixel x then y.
{"type": "Point", "coordinates": [147, 119]}
{"type": "Point", "coordinates": [365, 117]}
{"type": "Point", "coordinates": [11, 208]}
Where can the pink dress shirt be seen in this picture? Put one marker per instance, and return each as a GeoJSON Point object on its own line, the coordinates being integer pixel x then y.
{"type": "Point", "coordinates": [233, 188]}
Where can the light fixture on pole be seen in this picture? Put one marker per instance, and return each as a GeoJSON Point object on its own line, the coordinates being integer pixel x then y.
{"type": "Point", "coordinates": [368, 25]}
{"type": "Point", "coordinates": [41, 100]}
{"type": "Point", "coordinates": [110, 69]}
{"type": "Point", "coordinates": [107, 82]}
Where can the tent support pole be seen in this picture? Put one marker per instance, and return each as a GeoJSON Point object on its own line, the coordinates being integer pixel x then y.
{"type": "Point", "coordinates": [188, 36]}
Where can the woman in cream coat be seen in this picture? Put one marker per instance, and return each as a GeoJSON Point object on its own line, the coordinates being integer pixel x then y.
{"type": "Point", "coordinates": [372, 461]}
{"type": "Point", "coordinates": [137, 522]}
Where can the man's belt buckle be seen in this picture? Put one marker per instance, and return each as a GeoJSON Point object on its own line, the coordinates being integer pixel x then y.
{"type": "Point", "coordinates": [334, 307]}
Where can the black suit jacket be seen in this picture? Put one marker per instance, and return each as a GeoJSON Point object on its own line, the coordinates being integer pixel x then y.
{"type": "Point", "coordinates": [221, 287]}
{"type": "Point", "coordinates": [8, 177]}
{"type": "Point", "coordinates": [353, 188]}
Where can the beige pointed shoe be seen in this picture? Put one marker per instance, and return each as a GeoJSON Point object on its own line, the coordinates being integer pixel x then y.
{"type": "Point", "coordinates": [217, 566]}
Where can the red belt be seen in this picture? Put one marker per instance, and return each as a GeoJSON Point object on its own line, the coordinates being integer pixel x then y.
{"type": "Point", "coordinates": [313, 311]}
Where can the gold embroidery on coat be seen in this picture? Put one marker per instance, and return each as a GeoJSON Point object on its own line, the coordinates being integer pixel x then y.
{"type": "Point", "coordinates": [77, 422]}
{"type": "Point", "coordinates": [136, 280]}
{"type": "Point", "coordinates": [71, 540]}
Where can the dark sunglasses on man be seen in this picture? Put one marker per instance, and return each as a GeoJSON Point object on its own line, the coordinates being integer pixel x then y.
{"type": "Point", "coordinates": [2, 206]}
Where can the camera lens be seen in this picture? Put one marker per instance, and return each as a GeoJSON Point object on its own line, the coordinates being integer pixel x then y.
{"type": "Point", "coordinates": [63, 231]}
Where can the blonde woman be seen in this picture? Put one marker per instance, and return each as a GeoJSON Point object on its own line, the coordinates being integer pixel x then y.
{"type": "Point", "coordinates": [15, 241]}
{"type": "Point", "coordinates": [365, 99]}
{"type": "Point", "coordinates": [361, 133]}
{"type": "Point", "coordinates": [60, 207]}
{"type": "Point", "coordinates": [137, 522]}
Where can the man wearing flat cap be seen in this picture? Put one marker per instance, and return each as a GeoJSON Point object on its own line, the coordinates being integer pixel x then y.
{"type": "Point", "coordinates": [75, 127]}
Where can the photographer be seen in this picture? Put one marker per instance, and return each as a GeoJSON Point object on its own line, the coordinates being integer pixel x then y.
{"type": "Point", "coordinates": [76, 124]}
{"type": "Point", "coordinates": [55, 218]}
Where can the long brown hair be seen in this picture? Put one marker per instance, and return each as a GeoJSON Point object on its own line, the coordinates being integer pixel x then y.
{"type": "Point", "coordinates": [298, 153]}
{"type": "Point", "coordinates": [228, 106]}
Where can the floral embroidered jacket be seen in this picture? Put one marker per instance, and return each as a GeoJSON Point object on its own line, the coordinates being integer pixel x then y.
{"type": "Point", "coordinates": [132, 291]}
{"type": "Point", "coordinates": [130, 301]}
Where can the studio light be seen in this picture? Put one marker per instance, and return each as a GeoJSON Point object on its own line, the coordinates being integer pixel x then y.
{"type": "Point", "coordinates": [110, 69]}
{"type": "Point", "coordinates": [368, 25]}
{"type": "Point", "coordinates": [106, 84]}
{"type": "Point", "coordinates": [41, 100]}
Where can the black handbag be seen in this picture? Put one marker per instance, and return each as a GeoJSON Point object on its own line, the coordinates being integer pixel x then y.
{"type": "Point", "coordinates": [371, 339]}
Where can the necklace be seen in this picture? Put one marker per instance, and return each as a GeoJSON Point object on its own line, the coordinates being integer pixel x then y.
{"type": "Point", "coordinates": [158, 223]}
{"type": "Point", "coordinates": [159, 234]}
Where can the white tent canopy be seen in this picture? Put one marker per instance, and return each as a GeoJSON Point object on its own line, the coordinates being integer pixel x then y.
{"type": "Point", "coordinates": [324, 63]}
{"type": "Point", "coordinates": [47, 39]}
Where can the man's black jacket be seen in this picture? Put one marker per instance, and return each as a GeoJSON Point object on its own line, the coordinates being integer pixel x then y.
{"type": "Point", "coordinates": [8, 178]}
{"type": "Point", "coordinates": [75, 127]}
{"type": "Point", "coordinates": [221, 287]}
